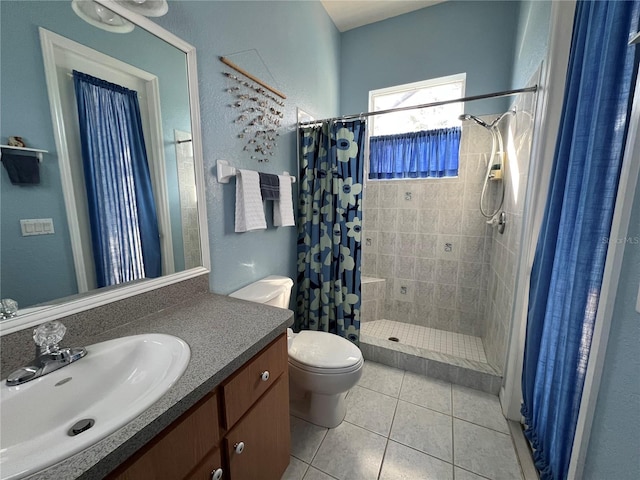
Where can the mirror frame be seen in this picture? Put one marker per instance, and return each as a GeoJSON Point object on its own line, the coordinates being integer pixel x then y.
{"type": "Point", "coordinates": [98, 298]}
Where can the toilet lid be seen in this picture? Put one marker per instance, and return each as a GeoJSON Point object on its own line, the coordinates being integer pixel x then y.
{"type": "Point", "coordinates": [323, 350]}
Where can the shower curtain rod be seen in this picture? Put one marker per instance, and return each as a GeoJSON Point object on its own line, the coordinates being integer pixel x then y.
{"type": "Point", "coordinates": [504, 93]}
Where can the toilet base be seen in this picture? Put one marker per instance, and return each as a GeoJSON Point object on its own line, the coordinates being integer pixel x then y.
{"type": "Point", "coordinates": [327, 412]}
{"type": "Point", "coordinates": [323, 410]}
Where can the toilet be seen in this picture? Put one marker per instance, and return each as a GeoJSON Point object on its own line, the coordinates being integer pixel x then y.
{"type": "Point", "coordinates": [323, 367]}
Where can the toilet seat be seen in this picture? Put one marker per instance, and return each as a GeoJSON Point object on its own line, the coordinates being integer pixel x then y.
{"type": "Point", "coordinates": [326, 371]}
{"type": "Point", "coordinates": [322, 352]}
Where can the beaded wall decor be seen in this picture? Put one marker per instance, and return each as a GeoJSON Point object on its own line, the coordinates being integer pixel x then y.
{"type": "Point", "coordinates": [260, 110]}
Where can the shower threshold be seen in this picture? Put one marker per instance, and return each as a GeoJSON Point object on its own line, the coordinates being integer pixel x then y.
{"type": "Point", "coordinates": [449, 356]}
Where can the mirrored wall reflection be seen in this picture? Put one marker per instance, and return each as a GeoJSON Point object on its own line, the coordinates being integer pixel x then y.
{"type": "Point", "coordinates": [43, 268]}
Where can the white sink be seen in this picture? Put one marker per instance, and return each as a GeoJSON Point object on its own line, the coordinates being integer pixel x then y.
{"type": "Point", "coordinates": [111, 385]}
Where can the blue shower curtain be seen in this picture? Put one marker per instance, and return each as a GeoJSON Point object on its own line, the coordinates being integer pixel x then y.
{"type": "Point", "coordinates": [570, 256]}
{"type": "Point", "coordinates": [428, 153]}
{"type": "Point", "coordinates": [122, 211]}
{"type": "Point", "coordinates": [330, 227]}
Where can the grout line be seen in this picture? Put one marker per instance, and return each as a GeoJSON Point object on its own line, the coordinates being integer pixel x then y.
{"type": "Point", "coordinates": [422, 452]}
{"type": "Point", "coordinates": [453, 437]}
{"type": "Point", "coordinates": [384, 455]}
{"type": "Point", "coordinates": [306, 469]}
{"type": "Point", "coordinates": [365, 428]}
{"type": "Point", "coordinates": [467, 470]}
{"type": "Point", "coordinates": [316, 468]}
{"type": "Point", "coordinates": [376, 391]}
{"type": "Point", "coordinates": [319, 446]}
{"type": "Point", "coordinates": [483, 426]}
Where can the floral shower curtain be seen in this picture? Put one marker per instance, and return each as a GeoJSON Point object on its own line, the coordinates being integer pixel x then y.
{"type": "Point", "coordinates": [329, 228]}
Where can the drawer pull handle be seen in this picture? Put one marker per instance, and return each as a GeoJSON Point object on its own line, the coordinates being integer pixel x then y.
{"type": "Point", "coordinates": [264, 376]}
{"type": "Point", "coordinates": [239, 447]}
{"type": "Point", "coordinates": [216, 474]}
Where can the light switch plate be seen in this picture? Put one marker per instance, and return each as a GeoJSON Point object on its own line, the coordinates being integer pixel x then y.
{"type": "Point", "coordinates": [36, 226]}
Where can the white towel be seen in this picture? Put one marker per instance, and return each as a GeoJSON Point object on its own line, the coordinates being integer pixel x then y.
{"type": "Point", "coordinates": [283, 208]}
{"type": "Point", "coordinates": [249, 209]}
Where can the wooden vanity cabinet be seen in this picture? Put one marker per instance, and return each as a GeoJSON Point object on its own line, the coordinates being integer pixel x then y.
{"type": "Point", "coordinates": [179, 448]}
{"type": "Point", "coordinates": [265, 433]}
{"type": "Point", "coordinates": [242, 428]}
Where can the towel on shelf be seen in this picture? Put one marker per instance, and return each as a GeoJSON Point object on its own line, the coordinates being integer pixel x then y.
{"type": "Point", "coordinates": [283, 207]}
{"type": "Point", "coordinates": [269, 186]}
{"type": "Point", "coordinates": [249, 209]}
{"type": "Point", "coordinates": [22, 169]}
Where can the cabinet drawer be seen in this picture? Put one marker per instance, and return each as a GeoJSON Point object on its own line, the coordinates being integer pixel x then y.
{"type": "Point", "coordinates": [174, 452]}
{"type": "Point", "coordinates": [247, 385]}
{"type": "Point", "coordinates": [265, 435]}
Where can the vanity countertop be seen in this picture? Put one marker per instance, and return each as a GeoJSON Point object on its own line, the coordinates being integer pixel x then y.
{"type": "Point", "coordinates": [223, 334]}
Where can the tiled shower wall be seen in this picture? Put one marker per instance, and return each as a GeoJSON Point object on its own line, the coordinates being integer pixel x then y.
{"type": "Point", "coordinates": [506, 247]}
{"type": "Point", "coordinates": [427, 239]}
{"type": "Point", "coordinates": [188, 200]}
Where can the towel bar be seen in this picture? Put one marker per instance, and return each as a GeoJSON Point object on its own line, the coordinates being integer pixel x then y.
{"type": "Point", "coordinates": [36, 152]}
{"type": "Point", "coordinates": [226, 171]}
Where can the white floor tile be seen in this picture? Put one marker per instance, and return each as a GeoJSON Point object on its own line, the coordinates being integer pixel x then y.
{"type": "Point", "coordinates": [460, 474]}
{"type": "Point", "coordinates": [315, 474]}
{"type": "Point", "coordinates": [349, 452]}
{"type": "Point", "coordinates": [404, 463]}
{"type": "Point", "coordinates": [423, 429]}
{"type": "Point", "coordinates": [305, 439]}
{"type": "Point", "coordinates": [381, 378]}
{"type": "Point", "coordinates": [426, 392]}
{"type": "Point", "coordinates": [485, 452]}
{"type": "Point", "coordinates": [371, 410]}
{"type": "Point", "coordinates": [429, 428]}
{"type": "Point", "coordinates": [295, 470]}
{"type": "Point", "coordinates": [478, 407]}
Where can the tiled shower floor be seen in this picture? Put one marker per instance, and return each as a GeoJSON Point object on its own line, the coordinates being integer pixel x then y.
{"type": "Point", "coordinates": [441, 341]}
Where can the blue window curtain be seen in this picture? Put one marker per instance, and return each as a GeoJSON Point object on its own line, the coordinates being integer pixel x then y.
{"type": "Point", "coordinates": [428, 153]}
{"type": "Point", "coordinates": [122, 211]}
{"type": "Point", "coordinates": [571, 250]}
{"type": "Point", "coordinates": [330, 228]}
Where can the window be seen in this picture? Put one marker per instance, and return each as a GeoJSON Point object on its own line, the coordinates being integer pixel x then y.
{"type": "Point", "coordinates": [416, 143]}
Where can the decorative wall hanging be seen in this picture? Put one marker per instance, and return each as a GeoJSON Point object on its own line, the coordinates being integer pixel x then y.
{"type": "Point", "coordinates": [260, 110]}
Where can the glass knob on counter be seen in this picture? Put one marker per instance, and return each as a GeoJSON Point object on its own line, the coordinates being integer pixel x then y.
{"type": "Point", "coordinates": [49, 334]}
{"type": "Point", "coordinates": [8, 308]}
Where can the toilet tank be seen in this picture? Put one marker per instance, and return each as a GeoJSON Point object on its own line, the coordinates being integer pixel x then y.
{"type": "Point", "coordinates": [272, 290]}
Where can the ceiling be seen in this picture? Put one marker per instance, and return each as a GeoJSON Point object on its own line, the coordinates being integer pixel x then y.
{"type": "Point", "coordinates": [348, 14]}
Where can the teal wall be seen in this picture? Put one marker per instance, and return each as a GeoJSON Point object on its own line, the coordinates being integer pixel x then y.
{"type": "Point", "coordinates": [295, 47]}
{"type": "Point", "coordinates": [445, 39]}
{"type": "Point", "coordinates": [614, 443]}
{"type": "Point", "coordinates": [532, 40]}
{"type": "Point", "coordinates": [40, 268]}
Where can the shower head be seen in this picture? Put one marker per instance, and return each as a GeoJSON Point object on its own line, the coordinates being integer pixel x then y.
{"type": "Point", "coordinates": [479, 121]}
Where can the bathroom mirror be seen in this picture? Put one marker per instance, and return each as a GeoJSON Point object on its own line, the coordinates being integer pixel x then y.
{"type": "Point", "coordinates": [41, 271]}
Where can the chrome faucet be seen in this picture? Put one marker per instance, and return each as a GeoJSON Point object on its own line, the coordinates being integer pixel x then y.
{"type": "Point", "coordinates": [49, 357]}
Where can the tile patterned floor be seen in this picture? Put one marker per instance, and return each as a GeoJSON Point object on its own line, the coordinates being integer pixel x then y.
{"type": "Point", "coordinates": [403, 426]}
{"type": "Point", "coordinates": [463, 346]}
